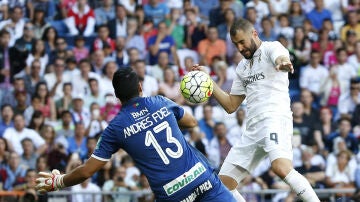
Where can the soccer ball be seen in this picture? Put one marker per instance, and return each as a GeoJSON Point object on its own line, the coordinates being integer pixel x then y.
{"type": "Point", "coordinates": [196, 86]}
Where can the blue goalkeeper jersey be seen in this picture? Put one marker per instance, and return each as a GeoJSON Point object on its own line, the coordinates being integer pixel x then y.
{"type": "Point", "coordinates": [146, 128]}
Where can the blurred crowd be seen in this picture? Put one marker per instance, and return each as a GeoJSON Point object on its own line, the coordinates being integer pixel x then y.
{"type": "Point", "coordinates": [57, 58]}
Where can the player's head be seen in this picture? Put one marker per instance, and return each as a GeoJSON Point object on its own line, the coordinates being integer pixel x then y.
{"type": "Point", "coordinates": [126, 84]}
{"type": "Point", "coordinates": [244, 37]}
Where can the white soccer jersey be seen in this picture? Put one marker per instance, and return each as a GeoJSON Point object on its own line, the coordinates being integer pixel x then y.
{"type": "Point", "coordinates": [265, 88]}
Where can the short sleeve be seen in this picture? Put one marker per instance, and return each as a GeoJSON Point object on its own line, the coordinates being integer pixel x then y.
{"type": "Point", "coordinates": [107, 144]}
{"type": "Point", "coordinates": [237, 87]}
{"type": "Point", "coordinates": [275, 50]}
{"type": "Point", "coordinates": [177, 110]}
{"type": "Point", "coordinates": [37, 139]}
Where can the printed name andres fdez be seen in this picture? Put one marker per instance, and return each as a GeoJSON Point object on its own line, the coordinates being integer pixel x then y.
{"type": "Point", "coordinates": [145, 120]}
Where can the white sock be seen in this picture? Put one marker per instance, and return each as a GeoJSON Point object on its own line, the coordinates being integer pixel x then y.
{"type": "Point", "coordinates": [301, 186]}
{"type": "Point", "coordinates": [237, 196]}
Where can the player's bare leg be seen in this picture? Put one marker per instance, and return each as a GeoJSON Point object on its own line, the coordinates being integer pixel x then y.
{"type": "Point", "coordinates": [231, 184]}
{"type": "Point", "coordinates": [301, 186]}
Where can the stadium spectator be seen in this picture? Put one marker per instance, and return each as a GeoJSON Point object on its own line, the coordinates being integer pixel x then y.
{"type": "Point", "coordinates": [157, 70]}
{"type": "Point", "coordinates": [48, 133]}
{"type": "Point", "coordinates": [134, 39]}
{"type": "Point", "coordinates": [37, 121]}
{"type": "Point", "coordinates": [60, 50]}
{"type": "Point", "coordinates": [4, 10]}
{"type": "Point", "coordinates": [170, 86]}
{"type": "Point", "coordinates": [313, 73]}
{"type": "Point", "coordinates": [346, 134]}
{"type": "Point", "coordinates": [268, 33]}
{"type": "Point", "coordinates": [80, 19]}
{"type": "Point", "coordinates": [207, 123]}
{"type": "Point", "coordinates": [252, 16]}
{"type": "Point", "coordinates": [65, 126]}
{"type": "Point", "coordinates": [157, 11]}
{"type": "Point", "coordinates": [86, 186]}
{"type": "Point", "coordinates": [318, 14]}
{"type": "Point", "coordinates": [29, 111]}
{"type": "Point", "coordinates": [219, 145]}
{"type": "Point", "coordinates": [28, 158]}
{"type": "Point", "coordinates": [98, 62]}
{"type": "Point", "coordinates": [10, 96]}
{"type": "Point", "coordinates": [80, 81]}
{"type": "Point", "coordinates": [16, 134]}
{"type": "Point", "coordinates": [65, 102]}
{"type": "Point", "coordinates": [314, 174]}
{"type": "Point", "coordinates": [41, 164]}
{"type": "Point", "coordinates": [56, 79]}
{"type": "Point", "coordinates": [345, 71]}
{"type": "Point", "coordinates": [175, 29]}
{"type": "Point", "coordinates": [354, 59]}
{"type": "Point", "coordinates": [211, 46]}
{"type": "Point", "coordinates": [12, 61]}
{"type": "Point", "coordinates": [117, 184]}
{"type": "Point", "coordinates": [65, 6]}
{"type": "Point", "coordinates": [261, 7]}
{"type": "Point", "coordinates": [149, 83]}
{"type": "Point", "coordinates": [95, 95]}
{"type": "Point", "coordinates": [331, 89]}
{"type": "Point", "coordinates": [284, 28]}
{"type": "Point", "coordinates": [15, 173]}
{"type": "Point", "coordinates": [340, 174]}
{"type": "Point", "coordinates": [79, 112]}
{"type": "Point", "coordinates": [217, 14]}
{"type": "Point", "coordinates": [111, 107]}
{"type": "Point", "coordinates": [14, 25]}
{"type": "Point", "coordinates": [47, 102]}
{"type": "Point", "coordinates": [117, 26]}
{"type": "Point", "coordinates": [38, 52]}
{"type": "Point", "coordinates": [7, 114]}
{"type": "Point", "coordinates": [296, 15]}
{"type": "Point", "coordinates": [134, 55]}
{"type": "Point", "coordinates": [49, 37]}
{"type": "Point", "coordinates": [224, 32]}
{"type": "Point", "coordinates": [301, 46]}
{"type": "Point", "coordinates": [236, 131]}
{"type": "Point", "coordinates": [80, 50]}
{"type": "Point", "coordinates": [120, 55]}
{"type": "Point", "coordinates": [33, 77]}
{"type": "Point", "coordinates": [103, 38]}
{"type": "Point", "coordinates": [104, 13]}
{"type": "Point", "coordinates": [97, 124]}
{"type": "Point", "coordinates": [77, 143]}
{"type": "Point", "coordinates": [195, 31]}
{"type": "Point", "coordinates": [108, 72]}
{"type": "Point", "coordinates": [349, 100]}
{"type": "Point", "coordinates": [39, 23]}
{"type": "Point", "coordinates": [162, 42]}
{"type": "Point", "coordinates": [26, 41]}
{"type": "Point", "coordinates": [350, 41]}
{"type": "Point", "coordinates": [21, 105]}
{"type": "Point", "coordinates": [301, 124]}
{"type": "Point", "coordinates": [352, 24]}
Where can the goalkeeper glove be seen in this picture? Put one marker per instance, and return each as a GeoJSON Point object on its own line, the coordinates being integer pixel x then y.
{"type": "Point", "coordinates": [48, 182]}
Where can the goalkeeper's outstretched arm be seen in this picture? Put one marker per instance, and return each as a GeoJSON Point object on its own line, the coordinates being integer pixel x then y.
{"type": "Point", "coordinates": [47, 182]}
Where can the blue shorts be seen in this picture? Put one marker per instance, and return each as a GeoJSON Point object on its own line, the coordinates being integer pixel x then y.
{"type": "Point", "coordinates": [210, 190]}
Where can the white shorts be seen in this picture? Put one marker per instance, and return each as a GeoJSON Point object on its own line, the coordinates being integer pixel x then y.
{"type": "Point", "coordinates": [269, 136]}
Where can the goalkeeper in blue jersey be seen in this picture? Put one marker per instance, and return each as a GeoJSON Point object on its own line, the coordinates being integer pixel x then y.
{"type": "Point", "coordinates": [147, 128]}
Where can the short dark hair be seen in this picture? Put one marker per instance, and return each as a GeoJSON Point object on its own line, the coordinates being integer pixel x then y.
{"type": "Point", "coordinates": [126, 84]}
{"type": "Point", "coordinates": [5, 106]}
{"type": "Point", "coordinates": [240, 24]}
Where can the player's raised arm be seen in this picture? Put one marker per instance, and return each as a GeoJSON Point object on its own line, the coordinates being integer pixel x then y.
{"type": "Point", "coordinates": [229, 102]}
{"type": "Point", "coordinates": [53, 181]}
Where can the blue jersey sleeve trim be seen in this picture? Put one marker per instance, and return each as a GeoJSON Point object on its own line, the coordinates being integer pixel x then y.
{"type": "Point", "coordinates": [99, 158]}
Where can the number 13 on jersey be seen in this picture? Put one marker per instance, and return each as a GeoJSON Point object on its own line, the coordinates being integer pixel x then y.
{"type": "Point", "coordinates": [151, 140]}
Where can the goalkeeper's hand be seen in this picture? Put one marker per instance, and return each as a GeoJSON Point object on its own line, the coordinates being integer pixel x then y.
{"type": "Point", "coordinates": [47, 182]}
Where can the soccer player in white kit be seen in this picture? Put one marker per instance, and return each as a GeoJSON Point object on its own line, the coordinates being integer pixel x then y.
{"type": "Point", "coordinates": [261, 77]}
